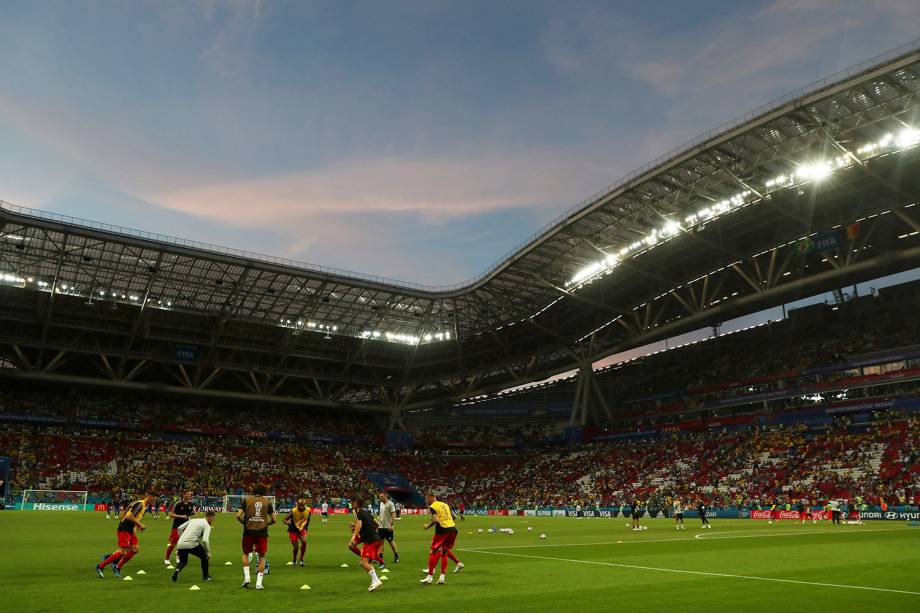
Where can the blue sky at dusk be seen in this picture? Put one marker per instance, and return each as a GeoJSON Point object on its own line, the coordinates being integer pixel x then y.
{"type": "Point", "coordinates": [419, 140]}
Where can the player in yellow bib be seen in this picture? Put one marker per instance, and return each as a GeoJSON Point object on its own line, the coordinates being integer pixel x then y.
{"type": "Point", "coordinates": [445, 535]}
{"type": "Point", "coordinates": [298, 520]}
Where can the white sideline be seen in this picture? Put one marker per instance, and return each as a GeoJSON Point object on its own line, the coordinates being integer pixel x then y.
{"type": "Point", "coordinates": [702, 537]}
{"type": "Point", "coordinates": [695, 572]}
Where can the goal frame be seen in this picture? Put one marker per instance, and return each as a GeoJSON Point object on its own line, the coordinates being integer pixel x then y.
{"type": "Point", "coordinates": [82, 495]}
{"type": "Point", "coordinates": [232, 507]}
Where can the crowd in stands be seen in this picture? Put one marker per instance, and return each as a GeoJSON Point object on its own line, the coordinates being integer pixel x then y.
{"type": "Point", "coordinates": [450, 438]}
{"type": "Point", "coordinates": [749, 466]}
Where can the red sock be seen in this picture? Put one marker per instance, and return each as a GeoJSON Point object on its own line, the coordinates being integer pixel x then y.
{"type": "Point", "coordinates": [450, 554]}
{"type": "Point", "coordinates": [355, 550]}
{"type": "Point", "coordinates": [127, 558]}
{"type": "Point", "coordinates": [443, 563]}
{"type": "Point", "coordinates": [303, 550]}
{"type": "Point", "coordinates": [169, 551]}
{"type": "Point", "coordinates": [111, 559]}
{"type": "Point", "coordinates": [432, 561]}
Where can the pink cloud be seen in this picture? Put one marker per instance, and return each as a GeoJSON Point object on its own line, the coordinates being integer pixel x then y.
{"type": "Point", "coordinates": [437, 190]}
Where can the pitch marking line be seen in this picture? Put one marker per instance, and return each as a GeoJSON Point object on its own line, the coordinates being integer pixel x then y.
{"type": "Point", "coordinates": [694, 572]}
{"type": "Point", "coordinates": [702, 537]}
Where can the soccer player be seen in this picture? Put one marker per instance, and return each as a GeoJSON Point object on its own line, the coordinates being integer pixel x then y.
{"type": "Point", "coordinates": [324, 509]}
{"type": "Point", "coordinates": [398, 511]}
{"type": "Point", "coordinates": [129, 520]}
{"type": "Point", "coordinates": [194, 539]}
{"type": "Point", "coordinates": [774, 511]}
{"type": "Point", "coordinates": [256, 514]}
{"type": "Point", "coordinates": [385, 520]}
{"type": "Point", "coordinates": [365, 532]}
{"type": "Point", "coordinates": [702, 510]}
{"type": "Point", "coordinates": [445, 535]}
{"type": "Point", "coordinates": [834, 506]}
{"type": "Point", "coordinates": [800, 507]}
{"type": "Point", "coordinates": [460, 510]}
{"type": "Point", "coordinates": [298, 521]}
{"type": "Point", "coordinates": [116, 505]}
{"type": "Point", "coordinates": [679, 515]}
{"type": "Point", "coordinates": [809, 514]}
{"type": "Point", "coordinates": [635, 514]}
{"type": "Point", "coordinates": [181, 513]}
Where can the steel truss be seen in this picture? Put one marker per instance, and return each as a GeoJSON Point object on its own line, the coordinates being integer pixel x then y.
{"type": "Point", "coordinates": [87, 302]}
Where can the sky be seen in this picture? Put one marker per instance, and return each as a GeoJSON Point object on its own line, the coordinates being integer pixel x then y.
{"type": "Point", "coordinates": [417, 140]}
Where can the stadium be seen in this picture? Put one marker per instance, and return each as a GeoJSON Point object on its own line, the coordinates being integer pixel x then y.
{"type": "Point", "coordinates": [698, 387]}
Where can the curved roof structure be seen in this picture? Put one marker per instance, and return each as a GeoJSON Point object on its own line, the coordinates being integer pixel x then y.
{"type": "Point", "coordinates": [808, 193]}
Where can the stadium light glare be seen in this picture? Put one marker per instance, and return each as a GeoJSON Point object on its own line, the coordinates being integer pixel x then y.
{"type": "Point", "coordinates": [671, 228]}
{"type": "Point", "coordinates": [11, 278]}
{"type": "Point", "coordinates": [908, 137]}
{"type": "Point", "coordinates": [814, 171]}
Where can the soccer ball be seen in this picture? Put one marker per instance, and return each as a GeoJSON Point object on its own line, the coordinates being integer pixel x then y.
{"type": "Point", "coordinates": [510, 531]}
{"type": "Point", "coordinates": [645, 527]}
{"type": "Point", "coordinates": [530, 528]}
{"type": "Point", "coordinates": [479, 531]}
{"type": "Point", "coordinates": [542, 536]}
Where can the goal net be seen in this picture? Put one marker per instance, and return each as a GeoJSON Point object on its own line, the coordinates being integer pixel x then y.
{"type": "Point", "coordinates": [232, 503]}
{"type": "Point", "coordinates": [54, 500]}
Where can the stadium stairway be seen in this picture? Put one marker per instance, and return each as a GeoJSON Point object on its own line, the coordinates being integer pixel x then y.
{"type": "Point", "coordinates": [398, 487]}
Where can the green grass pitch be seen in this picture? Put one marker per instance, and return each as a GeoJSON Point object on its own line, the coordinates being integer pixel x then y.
{"type": "Point", "coordinates": [589, 564]}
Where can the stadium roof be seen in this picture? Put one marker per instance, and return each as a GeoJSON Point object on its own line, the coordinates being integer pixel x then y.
{"type": "Point", "coordinates": [808, 193]}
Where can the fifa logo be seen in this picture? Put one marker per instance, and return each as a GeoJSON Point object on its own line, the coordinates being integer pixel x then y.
{"type": "Point", "coordinates": [258, 507]}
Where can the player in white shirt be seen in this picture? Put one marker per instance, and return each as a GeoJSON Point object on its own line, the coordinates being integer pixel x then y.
{"type": "Point", "coordinates": [325, 511]}
{"type": "Point", "coordinates": [679, 515]}
{"type": "Point", "coordinates": [385, 519]}
{"type": "Point", "coordinates": [195, 539]}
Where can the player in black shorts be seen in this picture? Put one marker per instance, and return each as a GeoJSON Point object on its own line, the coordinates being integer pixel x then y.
{"type": "Point", "coordinates": [702, 508]}
{"type": "Point", "coordinates": [635, 514]}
